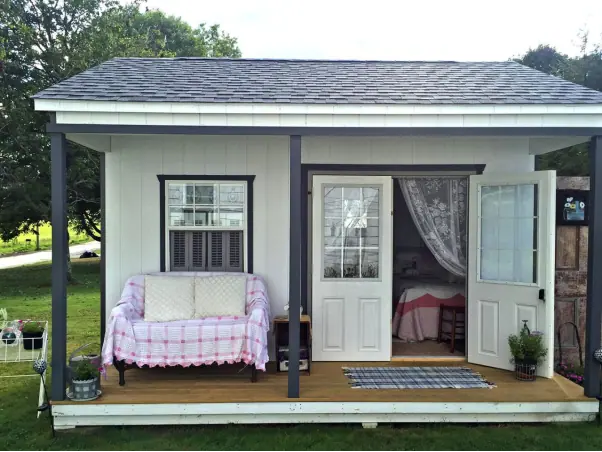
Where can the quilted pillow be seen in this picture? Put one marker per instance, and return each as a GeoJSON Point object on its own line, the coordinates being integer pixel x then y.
{"type": "Point", "coordinates": [168, 298]}
{"type": "Point", "coordinates": [222, 295]}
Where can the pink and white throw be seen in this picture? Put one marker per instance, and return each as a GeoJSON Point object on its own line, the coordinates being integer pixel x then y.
{"type": "Point", "coordinates": [188, 342]}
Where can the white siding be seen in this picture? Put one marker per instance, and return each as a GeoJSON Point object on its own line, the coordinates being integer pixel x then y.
{"type": "Point", "coordinates": [132, 188]}
{"type": "Point", "coordinates": [498, 154]}
{"type": "Point", "coordinates": [132, 203]}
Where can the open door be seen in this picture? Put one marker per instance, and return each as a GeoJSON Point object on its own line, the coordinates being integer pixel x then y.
{"type": "Point", "coordinates": [511, 264]}
{"type": "Point", "coordinates": [352, 268]}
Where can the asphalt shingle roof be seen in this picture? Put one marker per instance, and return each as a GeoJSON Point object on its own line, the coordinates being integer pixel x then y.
{"type": "Point", "coordinates": [318, 82]}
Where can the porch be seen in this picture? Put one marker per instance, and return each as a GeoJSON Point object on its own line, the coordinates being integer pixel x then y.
{"type": "Point", "coordinates": [218, 395]}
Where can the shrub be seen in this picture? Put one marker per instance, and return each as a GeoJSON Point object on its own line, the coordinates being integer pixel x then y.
{"type": "Point", "coordinates": [527, 346]}
{"type": "Point", "coordinates": [33, 328]}
{"type": "Point", "coordinates": [85, 371]}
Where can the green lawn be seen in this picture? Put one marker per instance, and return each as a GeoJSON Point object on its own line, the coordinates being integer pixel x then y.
{"type": "Point", "coordinates": [21, 246]}
{"type": "Point", "coordinates": [25, 292]}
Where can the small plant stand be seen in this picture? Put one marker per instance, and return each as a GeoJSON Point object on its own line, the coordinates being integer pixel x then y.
{"type": "Point", "coordinates": [16, 353]}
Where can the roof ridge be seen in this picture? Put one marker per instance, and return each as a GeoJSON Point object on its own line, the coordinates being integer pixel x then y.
{"type": "Point", "coordinates": [310, 60]}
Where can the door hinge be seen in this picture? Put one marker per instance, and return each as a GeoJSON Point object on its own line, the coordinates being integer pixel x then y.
{"type": "Point", "coordinates": [542, 295]}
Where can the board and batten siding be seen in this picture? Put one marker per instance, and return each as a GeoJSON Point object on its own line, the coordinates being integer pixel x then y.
{"type": "Point", "coordinates": [132, 188]}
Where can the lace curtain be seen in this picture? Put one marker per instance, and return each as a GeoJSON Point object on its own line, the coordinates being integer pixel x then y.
{"type": "Point", "coordinates": [438, 208]}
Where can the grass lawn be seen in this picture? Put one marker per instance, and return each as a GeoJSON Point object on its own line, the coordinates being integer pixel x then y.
{"type": "Point", "coordinates": [25, 292]}
{"type": "Point", "coordinates": [21, 246]}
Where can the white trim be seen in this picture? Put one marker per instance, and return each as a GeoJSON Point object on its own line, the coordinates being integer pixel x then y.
{"type": "Point", "coordinates": [244, 228]}
{"type": "Point", "coordinates": [68, 416]}
{"type": "Point", "coordinates": [311, 115]}
{"type": "Point", "coordinates": [310, 109]}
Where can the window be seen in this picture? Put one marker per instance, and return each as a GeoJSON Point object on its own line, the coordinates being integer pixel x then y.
{"type": "Point", "coordinates": [508, 233]}
{"type": "Point", "coordinates": [351, 232]}
{"type": "Point", "coordinates": [206, 223]}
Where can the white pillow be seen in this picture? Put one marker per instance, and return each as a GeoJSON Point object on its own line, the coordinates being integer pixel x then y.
{"type": "Point", "coordinates": [168, 298]}
{"type": "Point", "coordinates": [222, 295]}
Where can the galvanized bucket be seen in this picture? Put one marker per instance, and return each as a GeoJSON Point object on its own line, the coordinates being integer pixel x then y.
{"type": "Point", "coordinates": [84, 389]}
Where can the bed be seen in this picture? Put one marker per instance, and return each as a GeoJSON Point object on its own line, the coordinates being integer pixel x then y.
{"type": "Point", "coordinates": [416, 315]}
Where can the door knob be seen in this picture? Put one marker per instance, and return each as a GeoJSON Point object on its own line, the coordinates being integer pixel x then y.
{"type": "Point", "coordinates": [542, 295]}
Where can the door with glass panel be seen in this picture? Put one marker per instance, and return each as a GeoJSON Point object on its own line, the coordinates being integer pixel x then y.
{"type": "Point", "coordinates": [352, 268]}
{"type": "Point", "coordinates": [511, 264]}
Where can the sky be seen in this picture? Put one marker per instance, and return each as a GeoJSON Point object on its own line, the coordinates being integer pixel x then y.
{"type": "Point", "coordinates": [461, 30]}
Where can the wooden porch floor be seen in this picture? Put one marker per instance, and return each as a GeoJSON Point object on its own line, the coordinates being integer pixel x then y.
{"type": "Point", "coordinates": [228, 384]}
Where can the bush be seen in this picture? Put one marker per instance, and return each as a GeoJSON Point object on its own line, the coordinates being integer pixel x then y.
{"type": "Point", "coordinates": [527, 346]}
{"type": "Point", "coordinates": [33, 328]}
{"type": "Point", "coordinates": [85, 371]}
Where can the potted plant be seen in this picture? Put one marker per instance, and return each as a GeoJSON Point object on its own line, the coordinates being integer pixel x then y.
{"type": "Point", "coordinates": [32, 334]}
{"type": "Point", "coordinates": [528, 351]}
{"type": "Point", "coordinates": [85, 382]}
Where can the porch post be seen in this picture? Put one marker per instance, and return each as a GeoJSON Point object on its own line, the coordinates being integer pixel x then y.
{"type": "Point", "coordinates": [294, 298]}
{"type": "Point", "coordinates": [58, 154]}
{"type": "Point", "coordinates": [593, 318]}
{"type": "Point", "coordinates": [103, 248]}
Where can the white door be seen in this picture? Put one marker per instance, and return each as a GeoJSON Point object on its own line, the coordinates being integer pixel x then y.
{"type": "Point", "coordinates": [352, 259]}
{"type": "Point", "coordinates": [511, 259]}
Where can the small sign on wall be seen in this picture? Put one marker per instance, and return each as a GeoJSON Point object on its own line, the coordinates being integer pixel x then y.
{"type": "Point", "coordinates": [572, 207]}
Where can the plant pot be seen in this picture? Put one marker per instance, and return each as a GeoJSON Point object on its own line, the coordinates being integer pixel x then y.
{"type": "Point", "coordinates": [32, 341]}
{"type": "Point", "coordinates": [84, 389]}
{"type": "Point", "coordinates": [525, 370]}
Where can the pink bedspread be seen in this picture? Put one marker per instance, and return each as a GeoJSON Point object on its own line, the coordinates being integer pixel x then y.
{"type": "Point", "coordinates": [190, 342]}
{"type": "Point", "coordinates": [417, 313]}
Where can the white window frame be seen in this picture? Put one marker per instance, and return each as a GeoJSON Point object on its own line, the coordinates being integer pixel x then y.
{"type": "Point", "coordinates": [479, 238]}
{"type": "Point", "coordinates": [169, 228]}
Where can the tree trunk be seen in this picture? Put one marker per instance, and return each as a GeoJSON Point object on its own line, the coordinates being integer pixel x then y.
{"type": "Point", "coordinates": [37, 232]}
{"type": "Point", "coordinates": [69, 272]}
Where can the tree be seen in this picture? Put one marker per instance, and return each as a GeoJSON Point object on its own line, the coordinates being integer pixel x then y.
{"type": "Point", "coordinates": [45, 41]}
{"type": "Point", "coordinates": [586, 70]}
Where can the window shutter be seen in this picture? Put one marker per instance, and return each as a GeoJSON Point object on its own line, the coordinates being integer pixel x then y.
{"type": "Point", "coordinates": [178, 251]}
{"type": "Point", "coordinates": [198, 252]}
{"type": "Point", "coordinates": [206, 251]}
{"type": "Point", "coordinates": [215, 261]}
{"type": "Point", "coordinates": [234, 251]}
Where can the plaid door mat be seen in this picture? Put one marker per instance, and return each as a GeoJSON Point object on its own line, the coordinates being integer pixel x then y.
{"type": "Point", "coordinates": [415, 378]}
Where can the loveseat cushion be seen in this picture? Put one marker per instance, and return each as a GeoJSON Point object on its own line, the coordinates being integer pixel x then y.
{"type": "Point", "coordinates": [168, 298]}
{"type": "Point", "coordinates": [221, 295]}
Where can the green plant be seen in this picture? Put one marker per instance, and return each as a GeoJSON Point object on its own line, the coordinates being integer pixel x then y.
{"type": "Point", "coordinates": [527, 346]}
{"type": "Point", "coordinates": [85, 371]}
{"type": "Point", "coordinates": [33, 328]}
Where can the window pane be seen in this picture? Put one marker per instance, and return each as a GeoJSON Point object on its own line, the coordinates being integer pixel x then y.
{"type": "Point", "coordinates": [371, 233]}
{"type": "Point", "coordinates": [332, 202]}
{"type": "Point", "coordinates": [205, 216]}
{"type": "Point", "coordinates": [371, 201]}
{"type": "Point", "coordinates": [231, 217]}
{"type": "Point", "coordinates": [190, 194]}
{"type": "Point", "coordinates": [332, 232]}
{"type": "Point", "coordinates": [231, 194]}
{"type": "Point", "coordinates": [176, 194]}
{"type": "Point", "coordinates": [369, 264]}
{"type": "Point", "coordinates": [332, 264]}
{"type": "Point", "coordinates": [181, 216]}
{"type": "Point", "coordinates": [351, 231]}
{"type": "Point", "coordinates": [351, 263]}
{"type": "Point", "coordinates": [508, 232]}
{"type": "Point", "coordinates": [204, 194]}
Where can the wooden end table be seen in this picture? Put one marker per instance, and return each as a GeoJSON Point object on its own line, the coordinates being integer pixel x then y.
{"type": "Point", "coordinates": [281, 328]}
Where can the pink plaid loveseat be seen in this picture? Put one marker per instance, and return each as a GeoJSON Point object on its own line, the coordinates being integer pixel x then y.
{"type": "Point", "coordinates": [131, 342]}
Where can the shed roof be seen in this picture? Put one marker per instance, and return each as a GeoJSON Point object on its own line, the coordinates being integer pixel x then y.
{"type": "Point", "coordinates": [221, 80]}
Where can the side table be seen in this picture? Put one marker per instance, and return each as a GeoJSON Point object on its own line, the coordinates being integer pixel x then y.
{"type": "Point", "coordinates": [281, 336]}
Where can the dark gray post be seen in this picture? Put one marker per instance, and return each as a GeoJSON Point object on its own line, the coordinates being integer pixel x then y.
{"type": "Point", "coordinates": [103, 248]}
{"type": "Point", "coordinates": [58, 155]}
{"type": "Point", "coordinates": [593, 318]}
{"type": "Point", "coordinates": [294, 297]}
